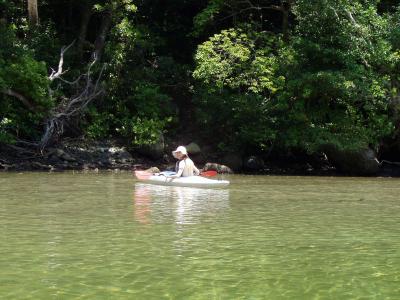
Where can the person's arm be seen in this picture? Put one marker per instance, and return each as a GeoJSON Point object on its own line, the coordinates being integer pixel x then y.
{"type": "Point", "coordinates": [196, 171]}
{"type": "Point", "coordinates": [178, 174]}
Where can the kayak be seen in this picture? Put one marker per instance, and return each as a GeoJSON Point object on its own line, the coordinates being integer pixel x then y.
{"type": "Point", "coordinates": [191, 181]}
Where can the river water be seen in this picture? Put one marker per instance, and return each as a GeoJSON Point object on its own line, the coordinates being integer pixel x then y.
{"type": "Point", "coordinates": [106, 236]}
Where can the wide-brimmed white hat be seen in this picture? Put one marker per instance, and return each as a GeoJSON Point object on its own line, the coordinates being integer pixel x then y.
{"type": "Point", "coordinates": [180, 149]}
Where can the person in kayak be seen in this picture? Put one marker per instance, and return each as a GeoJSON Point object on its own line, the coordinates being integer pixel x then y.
{"type": "Point", "coordinates": [184, 166]}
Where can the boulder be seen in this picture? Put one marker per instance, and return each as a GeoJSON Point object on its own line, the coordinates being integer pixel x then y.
{"type": "Point", "coordinates": [222, 169]}
{"type": "Point", "coordinates": [389, 169]}
{"type": "Point", "coordinates": [253, 163]}
{"type": "Point", "coordinates": [193, 148]}
{"type": "Point", "coordinates": [233, 161]}
{"type": "Point", "coordinates": [355, 162]}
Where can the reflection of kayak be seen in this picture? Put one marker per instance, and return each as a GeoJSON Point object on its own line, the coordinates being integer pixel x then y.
{"type": "Point", "coordinates": [191, 181]}
{"type": "Point", "coordinates": [183, 205]}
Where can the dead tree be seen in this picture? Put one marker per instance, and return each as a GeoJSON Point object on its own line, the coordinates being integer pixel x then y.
{"type": "Point", "coordinates": [87, 90]}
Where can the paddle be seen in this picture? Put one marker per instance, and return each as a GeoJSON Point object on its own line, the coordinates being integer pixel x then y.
{"type": "Point", "coordinates": [143, 175]}
{"type": "Point", "coordinates": [208, 173]}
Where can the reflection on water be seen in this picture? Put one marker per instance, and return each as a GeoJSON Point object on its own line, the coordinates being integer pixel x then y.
{"type": "Point", "coordinates": [154, 203]}
{"type": "Point", "coordinates": [142, 209]}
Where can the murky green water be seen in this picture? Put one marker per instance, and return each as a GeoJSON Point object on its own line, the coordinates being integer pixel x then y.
{"type": "Point", "coordinates": [103, 236]}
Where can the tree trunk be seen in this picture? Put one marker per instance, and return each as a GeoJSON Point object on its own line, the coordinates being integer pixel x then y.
{"type": "Point", "coordinates": [33, 14]}
{"type": "Point", "coordinates": [86, 14]}
{"type": "Point", "coordinates": [102, 35]}
{"type": "Point", "coordinates": [286, 7]}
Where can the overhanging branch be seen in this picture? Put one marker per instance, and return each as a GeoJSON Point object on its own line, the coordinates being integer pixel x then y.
{"type": "Point", "coordinates": [20, 97]}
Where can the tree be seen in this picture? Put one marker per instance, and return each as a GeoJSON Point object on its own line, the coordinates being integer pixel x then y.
{"type": "Point", "coordinates": [330, 85]}
{"type": "Point", "coordinates": [33, 14]}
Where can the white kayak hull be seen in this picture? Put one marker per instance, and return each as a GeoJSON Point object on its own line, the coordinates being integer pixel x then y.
{"type": "Point", "coordinates": [192, 181]}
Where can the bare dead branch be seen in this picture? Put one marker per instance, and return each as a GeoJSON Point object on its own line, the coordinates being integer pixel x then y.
{"type": "Point", "coordinates": [390, 162]}
{"type": "Point", "coordinates": [57, 74]}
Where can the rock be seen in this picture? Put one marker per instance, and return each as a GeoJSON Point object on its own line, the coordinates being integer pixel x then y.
{"type": "Point", "coordinates": [222, 169]}
{"type": "Point", "coordinates": [39, 166]}
{"type": "Point", "coordinates": [356, 162]}
{"type": "Point", "coordinates": [153, 170]}
{"type": "Point", "coordinates": [122, 161]}
{"type": "Point", "coordinates": [254, 163]}
{"type": "Point", "coordinates": [120, 153]}
{"type": "Point", "coordinates": [63, 155]}
{"type": "Point", "coordinates": [193, 148]}
{"type": "Point", "coordinates": [233, 161]}
{"type": "Point", "coordinates": [125, 156]}
{"type": "Point", "coordinates": [154, 151]}
{"type": "Point", "coordinates": [54, 160]}
{"type": "Point", "coordinates": [76, 155]}
{"type": "Point", "coordinates": [389, 169]}
{"type": "Point", "coordinates": [166, 158]}
{"type": "Point", "coordinates": [114, 150]}
{"type": "Point", "coordinates": [5, 167]}
{"type": "Point", "coordinates": [125, 167]}
{"type": "Point", "coordinates": [58, 152]}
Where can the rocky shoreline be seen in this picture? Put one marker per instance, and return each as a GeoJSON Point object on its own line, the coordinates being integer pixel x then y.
{"type": "Point", "coordinates": [81, 155]}
{"type": "Point", "coordinates": [69, 156]}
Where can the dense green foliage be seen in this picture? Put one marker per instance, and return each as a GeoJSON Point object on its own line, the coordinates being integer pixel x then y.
{"type": "Point", "coordinates": [249, 75]}
{"type": "Point", "coordinates": [20, 71]}
{"type": "Point", "coordinates": [331, 84]}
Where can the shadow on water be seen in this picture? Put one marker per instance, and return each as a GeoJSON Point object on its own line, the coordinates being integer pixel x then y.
{"type": "Point", "coordinates": [181, 205]}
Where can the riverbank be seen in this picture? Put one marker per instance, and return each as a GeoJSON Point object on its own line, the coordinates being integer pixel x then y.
{"type": "Point", "coordinates": [70, 155]}
{"type": "Point", "coordinates": [110, 155]}
{"type": "Point", "coordinates": [82, 155]}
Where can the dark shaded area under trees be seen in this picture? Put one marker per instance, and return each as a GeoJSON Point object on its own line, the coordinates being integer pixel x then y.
{"type": "Point", "coordinates": [272, 86]}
